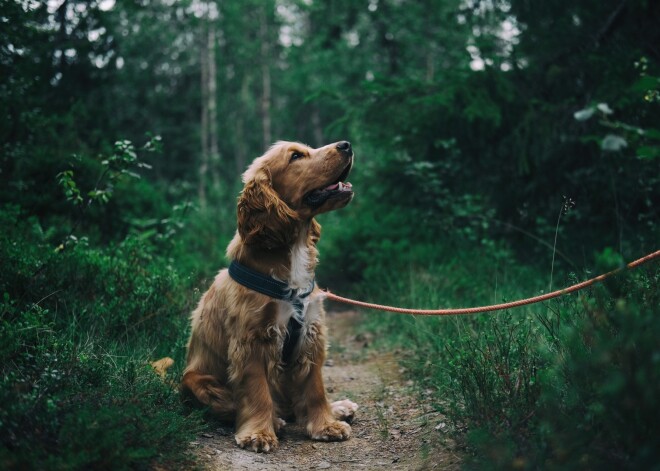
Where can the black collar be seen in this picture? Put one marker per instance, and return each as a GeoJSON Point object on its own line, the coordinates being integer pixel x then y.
{"type": "Point", "coordinates": [265, 284]}
{"type": "Point", "coordinates": [277, 289]}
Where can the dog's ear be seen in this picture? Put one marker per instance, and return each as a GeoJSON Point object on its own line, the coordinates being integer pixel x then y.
{"type": "Point", "coordinates": [315, 232]}
{"type": "Point", "coordinates": [263, 218]}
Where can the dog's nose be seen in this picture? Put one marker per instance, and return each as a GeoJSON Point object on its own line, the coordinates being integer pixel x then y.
{"type": "Point", "coordinates": [345, 147]}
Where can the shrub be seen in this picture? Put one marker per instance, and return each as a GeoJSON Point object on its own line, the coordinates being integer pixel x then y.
{"type": "Point", "coordinates": [598, 403]}
{"type": "Point", "coordinates": [82, 312]}
{"type": "Point", "coordinates": [74, 405]}
{"type": "Point", "coordinates": [571, 384]}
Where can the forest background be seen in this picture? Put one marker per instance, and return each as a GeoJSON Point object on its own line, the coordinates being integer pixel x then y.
{"type": "Point", "coordinates": [503, 148]}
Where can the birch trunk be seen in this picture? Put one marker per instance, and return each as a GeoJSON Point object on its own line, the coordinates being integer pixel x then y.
{"type": "Point", "coordinates": [316, 126]}
{"type": "Point", "coordinates": [240, 156]}
{"type": "Point", "coordinates": [204, 124]}
{"type": "Point", "coordinates": [265, 76]}
{"type": "Point", "coordinates": [214, 151]}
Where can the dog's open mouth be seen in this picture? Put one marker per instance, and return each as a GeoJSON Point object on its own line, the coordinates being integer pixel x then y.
{"type": "Point", "coordinates": [337, 189]}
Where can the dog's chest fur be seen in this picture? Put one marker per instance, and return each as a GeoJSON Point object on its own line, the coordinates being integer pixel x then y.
{"type": "Point", "coordinates": [301, 272]}
{"type": "Point", "coordinates": [301, 275]}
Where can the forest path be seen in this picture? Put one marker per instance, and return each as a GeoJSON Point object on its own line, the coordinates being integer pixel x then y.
{"type": "Point", "coordinates": [392, 429]}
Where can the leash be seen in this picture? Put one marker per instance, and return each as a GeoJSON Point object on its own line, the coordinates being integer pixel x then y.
{"type": "Point", "coordinates": [494, 307]}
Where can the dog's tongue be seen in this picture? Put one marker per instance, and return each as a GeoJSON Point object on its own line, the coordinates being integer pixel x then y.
{"type": "Point", "coordinates": [341, 186]}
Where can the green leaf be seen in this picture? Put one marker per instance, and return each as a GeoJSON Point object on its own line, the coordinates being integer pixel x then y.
{"type": "Point", "coordinates": [648, 152]}
{"type": "Point", "coordinates": [646, 83]}
{"type": "Point", "coordinates": [613, 143]}
{"type": "Point", "coordinates": [653, 134]}
{"type": "Point", "coordinates": [584, 114]}
{"type": "Point", "coordinates": [130, 174]}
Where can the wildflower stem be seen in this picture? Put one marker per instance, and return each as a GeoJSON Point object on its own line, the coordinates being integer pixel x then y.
{"type": "Point", "coordinates": [554, 246]}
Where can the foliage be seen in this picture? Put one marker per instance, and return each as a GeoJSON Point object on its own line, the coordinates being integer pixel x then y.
{"type": "Point", "coordinates": [604, 378]}
{"type": "Point", "coordinates": [73, 403]}
{"type": "Point", "coordinates": [567, 385]}
{"type": "Point", "coordinates": [120, 163]}
{"type": "Point", "coordinates": [471, 120]}
{"type": "Point", "coordinates": [80, 322]}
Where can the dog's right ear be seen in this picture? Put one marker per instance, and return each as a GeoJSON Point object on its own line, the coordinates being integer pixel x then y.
{"type": "Point", "coordinates": [263, 218]}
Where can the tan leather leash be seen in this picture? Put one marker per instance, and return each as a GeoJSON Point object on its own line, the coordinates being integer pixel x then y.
{"type": "Point", "coordinates": [494, 307]}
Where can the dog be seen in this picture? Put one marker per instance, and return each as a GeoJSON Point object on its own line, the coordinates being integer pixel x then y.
{"type": "Point", "coordinates": [258, 338]}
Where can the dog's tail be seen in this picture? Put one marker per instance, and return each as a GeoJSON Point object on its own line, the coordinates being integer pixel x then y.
{"type": "Point", "coordinates": [161, 366]}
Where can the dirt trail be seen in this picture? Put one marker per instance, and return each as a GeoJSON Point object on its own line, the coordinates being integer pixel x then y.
{"type": "Point", "coordinates": [392, 428]}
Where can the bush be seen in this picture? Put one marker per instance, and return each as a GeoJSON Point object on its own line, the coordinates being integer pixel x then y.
{"type": "Point", "coordinates": [118, 290]}
{"type": "Point", "coordinates": [598, 403]}
{"type": "Point", "coordinates": [571, 384]}
{"type": "Point", "coordinates": [74, 405]}
{"type": "Point", "coordinates": [86, 304]}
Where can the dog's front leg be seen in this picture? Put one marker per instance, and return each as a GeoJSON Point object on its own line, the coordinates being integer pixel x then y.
{"type": "Point", "coordinates": [321, 423]}
{"type": "Point", "coordinates": [255, 416]}
{"type": "Point", "coordinates": [311, 404]}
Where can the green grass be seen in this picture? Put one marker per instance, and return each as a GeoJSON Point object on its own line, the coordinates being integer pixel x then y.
{"type": "Point", "coordinates": [568, 384]}
{"type": "Point", "coordinates": [79, 328]}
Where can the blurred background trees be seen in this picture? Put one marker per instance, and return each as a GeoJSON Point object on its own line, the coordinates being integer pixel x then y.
{"type": "Point", "coordinates": [481, 94]}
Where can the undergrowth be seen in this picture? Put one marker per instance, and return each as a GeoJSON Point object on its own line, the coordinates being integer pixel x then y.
{"type": "Point", "coordinates": [90, 294]}
{"type": "Point", "coordinates": [78, 333]}
{"type": "Point", "coordinates": [568, 384]}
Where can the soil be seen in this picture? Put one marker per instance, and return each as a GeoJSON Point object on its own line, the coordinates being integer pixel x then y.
{"type": "Point", "coordinates": [393, 427]}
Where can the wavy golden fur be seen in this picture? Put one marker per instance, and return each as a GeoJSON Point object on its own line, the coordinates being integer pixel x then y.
{"type": "Point", "coordinates": [234, 363]}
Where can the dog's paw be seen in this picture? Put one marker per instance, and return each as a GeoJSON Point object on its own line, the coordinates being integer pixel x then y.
{"type": "Point", "coordinates": [344, 410]}
{"type": "Point", "coordinates": [278, 424]}
{"type": "Point", "coordinates": [261, 442]}
{"type": "Point", "coordinates": [334, 431]}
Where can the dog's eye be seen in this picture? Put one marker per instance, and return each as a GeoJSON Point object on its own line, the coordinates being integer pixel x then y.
{"type": "Point", "coordinates": [295, 155]}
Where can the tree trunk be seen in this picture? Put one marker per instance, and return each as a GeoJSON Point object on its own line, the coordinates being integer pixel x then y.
{"type": "Point", "coordinates": [62, 35]}
{"type": "Point", "coordinates": [204, 124]}
{"type": "Point", "coordinates": [240, 155]}
{"type": "Point", "coordinates": [430, 64]}
{"type": "Point", "coordinates": [265, 76]}
{"type": "Point", "coordinates": [316, 126]}
{"type": "Point", "coordinates": [214, 151]}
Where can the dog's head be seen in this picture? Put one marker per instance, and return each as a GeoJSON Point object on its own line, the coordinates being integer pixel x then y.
{"type": "Point", "coordinates": [292, 183]}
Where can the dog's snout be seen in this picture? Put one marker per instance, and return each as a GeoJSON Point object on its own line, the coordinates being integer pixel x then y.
{"type": "Point", "coordinates": [345, 147]}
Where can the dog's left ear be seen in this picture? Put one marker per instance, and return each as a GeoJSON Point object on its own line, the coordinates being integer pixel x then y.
{"type": "Point", "coordinates": [263, 217]}
{"type": "Point", "coordinates": [315, 232]}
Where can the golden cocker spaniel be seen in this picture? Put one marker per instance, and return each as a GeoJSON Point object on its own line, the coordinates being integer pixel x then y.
{"type": "Point", "coordinates": [258, 338]}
